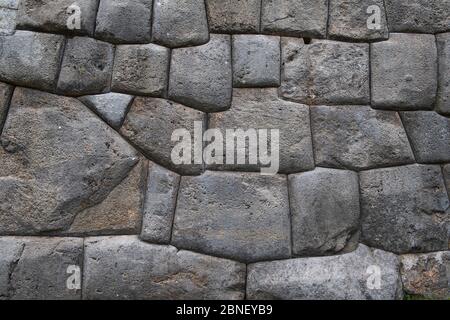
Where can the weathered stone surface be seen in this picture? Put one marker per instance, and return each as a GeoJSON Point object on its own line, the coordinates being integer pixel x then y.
{"type": "Point", "coordinates": [31, 59]}
{"type": "Point", "coordinates": [358, 138]}
{"type": "Point", "coordinates": [126, 268]}
{"type": "Point", "coordinates": [426, 275]}
{"type": "Point", "coordinates": [349, 20]}
{"type": "Point", "coordinates": [36, 268]}
{"type": "Point", "coordinates": [55, 16]}
{"type": "Point", "coordinates": [429, 134]}
{"type": "Point", "coordinates": [262, 109]}
{"type": "Point", "coordinates": [230, 16]}
{"type": "Point", "coordinates": [5, 96]}
{"type": "Point", "coordinates": [86, 67]}
{"type": "Point", "coordinates": [403, 209]}
{"type": "Point", "coordinates": [66, 160]}
{"type": "Point", "coordinates": [256, 61]}
{"type": "Point", "coordinates": [124, 21]}
{"type": "Point", "coordinates": [446, 170]}
{"type": "Point", "coordinates": [404, 72]}
{"type": "Point", "coordinates": [7, 21]}
{"type": "Point", "coordinates": [443, 95]}
{"type": "Point", "coordinates": [10, 4]}
{"type": "Point", "coordinates": [241, 216]}
{"type": "Point", "coordinates": [201, 77]}
{"type": "Point", "coordinates": [159, 206]}
{"type": "Point", "coordinates": [340, 277]}
{"type": "Point", "coordinates": [421, 16]}
{"type": "Point", "coordinates": [150, 124]}
{"type": "Point", "coordinates": [299, 18]}
{"type": "Point", "coordinates": [180, 23]}
{"type": "Point", "coordinates": [325, 72]}
{"type": "Point", "coordinates": [325, 211]}
{"type": "Point", "coordinates": [141, 69]}
{"type": "Point", "coordinates": [112, 107]}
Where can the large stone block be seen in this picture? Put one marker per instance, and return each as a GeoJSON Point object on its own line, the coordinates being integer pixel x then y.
{"type": "Point", "coordinates": [344, 277]}
{"type": "Point", "coordinates": [325, 72]}
{"type": "Point", "coordinates": [298, 18]}
{"type": "Point", "coordinates": [7, 21]}
{"type": "Point", "coordinates": [6, 91]}
{"type": "Point", "coordinates": [31, 59]}
{"type": "Point", "coordinates": [403, 209]}
{"type": "Point", "coordinates": [201, 77]}
{"type": "Point", "coordinates": [358, 138]}
{"type": "Point", "coordinates": [325, 211]}
{"type": "Point", "coordinates": [443, 95]}
{"type": "Point", "coordinates": [240, 216]}
{"type": "Point", "coordinates": [404, 72]}
{"type": "Point", "coordinates": [231, 16]}
{"type": "Point", "coordinates": [126, 268]}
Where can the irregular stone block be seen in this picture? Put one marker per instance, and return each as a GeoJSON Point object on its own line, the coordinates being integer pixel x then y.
{"type": "Point", "coordinates": [262, 109]}
{"type": "Point", "coordinates": [297, 18]}
{"type": "Point", "coordinates": [7, 21]}
{"type": "Point", "coordinates": [10, 252]}
{"type": "Point", "coordinates": [404, 72]}
{"type": "Point", "coordinates": [349, 20]}
{"type": "Point", "coordinates": [256, 61]}
{"type": "Point", "coordinates": [344, 277]}
{"type": "Point", "coordinates": [443, 94]}
{"type": "Point", "coordinates": [201, 77]}
{"type": "Point", "coordinates": [230, 16]}
{"type": "Point", "coordinates": [240, 216]}
{"type": "Point", "coordinates": [124, 21]}
{"type": "Point", "coordinates": [66, 161]}
{"type": "Point", "coordinates": [58, 16]}
{"type": "Point", "coordinates": [325, 211]}
{"type": "Point", "coordinates": [86, 67]}
{"type": "Point", "coordinates": [429, 134]}
{"type": "Point", "coordinates": [180, 23]}
{"type": "Point", "coordinates": [403, 209]}
{"type": "Point", "coordinates": [125, 268]}
{"type": "Point", "coordinates": [5, 96]}
{"type": "Point", "coordinates": [159, 206]}
{"type": "Point", "coordinates": [421, 16]}
{"type": "Point", "coordinates": [31, 59]}
{"type": "Point", "coordinates": [141, 69]}
{"type": "Point", "coordinates": [325, 72]}
{"type": "Point", "coordinates": [358, 138]}
{"type": "Point", "coordinates": [426, 275]}
{"type": "Point", "coordinates": [111, 107]}
{"type": "Point", "coordinates": [150, 124]}
{"type": "Point", "coordinates": [9, 4]}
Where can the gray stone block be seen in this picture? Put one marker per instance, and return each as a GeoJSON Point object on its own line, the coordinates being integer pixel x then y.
{"type": "Point", "coordinates": [429, 134]}
{"type": "Point", "coordinates": [403, 209]}
{"type": "Point", "coordinates": [404, 72]}
{"type": "Point", "coordinates": [443, 94]}
{"type": "Point", "coordinates": [180, 23]}
{"type": "Point", "coordinates": [344, 277]}
{"type": "Point", "coordinates": [256, 61]}
{"type": "Point", "coordinates": [10, 252]}
{"type": "Point", "coordinates": [358, 138]}
{"type": "Point", "coordinates": [446, 170]}
{"type": "Point", "coordinates": [6, 91]}
{"type": "Point", "coordinates": [31, 59]}
{"type": "Point", "coordinates": [297, 18]}
{"type": "Point", "coordinates": [231, 16]}
{"type": "Point", "coordinates": [125, 268]}
{"type": "Point", "coordinates": [201, 77]}
{"type": "Point", "coordinates": [124, 21]}
{"type": "Point", "coordinates": [325, 72]}
{"type": "Point", "coordinates": [7, 21]}
{"type": "Point", "coordinates": [240, 216]}
{"type": "Point", "coordinates": [86, 67]}
{"type": "Point", "coordinates": [325, 212]}
{"type": "Point", "coordinates": [159, 206]}
{"type": "Point", "coordinates": [10, 4]}
{"type": "Point", "coordinates": [141, 69]}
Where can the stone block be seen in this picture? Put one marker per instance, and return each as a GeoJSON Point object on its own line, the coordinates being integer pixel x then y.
{"type": "Point", "coordinates": [231, 16]}
{"type": "Point", "coordinates": [443, 94]}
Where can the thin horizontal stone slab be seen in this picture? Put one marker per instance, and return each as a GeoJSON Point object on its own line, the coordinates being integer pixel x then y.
{"type": "Point", "coordinates": [230, 16]}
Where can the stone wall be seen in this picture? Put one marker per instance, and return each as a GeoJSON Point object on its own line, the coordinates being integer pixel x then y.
{"type": "Point", "coordinates": [92, 207]}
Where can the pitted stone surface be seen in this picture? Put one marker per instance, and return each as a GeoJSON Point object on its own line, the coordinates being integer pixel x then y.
{"type": "Point", "coordinates": [297, 18]}
{"type": "Point", "coordinates": [5, 96]}
{"type": "Point", "coordinates": [262, 109]}
{"type": "Point", "coordinates": [230, 16]}
{"type": "Point", "coordinates": [325, 211]}
{"type": "Point", "coordinates": [180, 23]}
{"type": "Point", "coordinates": [126, 268]}
{"type": "Point", "coordinates": [9, 4]}
{"type": "Point", "coordinates": [325, 72]}
{"type": "Point", "coordinates": [403, 209]}
{"type": "Point", "coordinates": [37, 65]}
{"type": "Point", "coordinates": [358, 138]}
{"type": "Point", "coordinates": [241, 216]}
{"type": "Point", "coordinates": [446, 170]}
{"type": "Point", "coordinates": [201, 77]}
{"type": "Point", "coordinates": [443, 95]}
{"type": "Point", "coordinates": [404, 72]}
{"type": "Point", "coordinates": [326, 278]}
{"type": "Point", "coordinates": [7, 21]}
